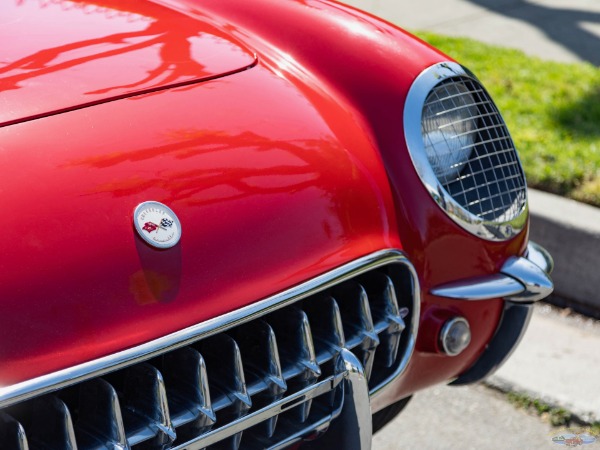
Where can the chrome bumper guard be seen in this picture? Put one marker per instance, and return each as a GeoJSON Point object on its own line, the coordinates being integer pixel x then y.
{"type": "Point", "coordinates": [522, 280]}
{"type": "Point", "coordinates": [353, 429]}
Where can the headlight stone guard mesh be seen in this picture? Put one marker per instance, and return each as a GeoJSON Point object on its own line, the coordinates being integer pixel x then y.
{"type": "Point", "coordinates": [463, 153]}
{"type": "Point", "coordinates": [490, 183]}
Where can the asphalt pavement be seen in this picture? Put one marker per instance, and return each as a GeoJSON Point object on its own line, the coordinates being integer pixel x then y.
{"type": "Point", "coordinates": [558, 360]}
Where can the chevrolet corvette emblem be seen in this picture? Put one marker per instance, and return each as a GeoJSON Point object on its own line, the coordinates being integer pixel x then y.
{"type": "Point", "coordinates": [157, 224]}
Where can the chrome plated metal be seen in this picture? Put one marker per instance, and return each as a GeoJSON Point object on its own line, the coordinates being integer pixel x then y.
{"type": "Point", "coordinates": [358, 323]}
{"type": "Point", "coordinates": [537, 283]}
{"type": "Point", "coordinates": [27, 389]}
{"type": "Point", "coordinates": [264, 376]}
{"type": "Point", "coordinates": [230, 397]}
{"type": "Point", "coordinates": [100, 418]}
{"type": "Point", "coordinates": [223, 386]}
{"type": "Point", "coordinates": [12, 433]}
{"type": "Point", "coordinates": [353, 429]}
{"type": "Point", "coordinates": [327, 328]}
{"type": "Point", "coordinates": [519, 280]}
{"type": "Point", "coordinates": [540, 257]}
{"type": "Point", "coordinates": [387, 314]}
{"type": "Point", "coordinates": [190, 405]}
{"type": "Point", "coordinates": [356, 410]}
{"type": "Point", "coordinates": [480, 288]}
{"type": "Point", "coordinates": [261, 415]}
{"type": "Point", "coordinates": [298, 356]}
{"type": "Point", "coordinates": [494, 205]}
{"type": "Point", "coordinates": [145, 409]}
{"type": "Point", "coordinates": [51, 424]}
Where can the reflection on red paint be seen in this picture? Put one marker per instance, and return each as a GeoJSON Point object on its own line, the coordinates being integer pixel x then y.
{"type": "Point", "coordinates": [267, 198]}
{"type": "Point", "coordinates": [84, 52]}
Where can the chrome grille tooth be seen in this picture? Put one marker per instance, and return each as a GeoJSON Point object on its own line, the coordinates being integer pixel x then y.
{"type": "Point", "coordinates": [309, 358]}
{"type": "Point", "coordinates": [359, 329]}
{"type": "Point", "coordinates": [328, 333]}
{"type": "Point", "coordinates": [326, 327]}
{"type": "Point", "coordinates": [301, 368]}
{"type": "Point", "coordinates": [12, 433]}
{"type": "Point", "coordinates": [51, 425]}
{"type": "Point", "coordinates": [389, 318]}
{"type": "Point", "coordinates": [226, 377]}
{"type": "Point", "coordinates": [337, 323]}
{"type": "Point", "coordinates": [188, 393]}
{"type": "Point", "coordinates": [100, 422]}
{"type": "Point", "coordinates": [145, 407]}
{"type": "Point", "coordinates": [262, 368]}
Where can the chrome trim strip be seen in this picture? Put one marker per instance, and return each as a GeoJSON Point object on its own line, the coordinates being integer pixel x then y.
{"type": "Point", "coordinates": [520, 280]}
{"type": "Point", "coordinates": [413, 112]}
{"type": "Point", "coordinates": [480, 288]}
{"type": "Point", "coordinates": [53, 381]}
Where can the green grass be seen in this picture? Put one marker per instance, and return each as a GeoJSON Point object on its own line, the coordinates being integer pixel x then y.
{"type": "Point", "coordinates": [556, 416]}
{"type": "Point", "coordinates": [552, 110]}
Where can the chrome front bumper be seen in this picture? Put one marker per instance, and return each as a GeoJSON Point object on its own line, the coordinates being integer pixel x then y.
{"type": "Point", "coordinates": [522, 279]}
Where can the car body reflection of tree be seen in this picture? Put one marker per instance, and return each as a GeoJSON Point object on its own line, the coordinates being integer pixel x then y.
{"type": "Point", "coordinates": [178, 43]}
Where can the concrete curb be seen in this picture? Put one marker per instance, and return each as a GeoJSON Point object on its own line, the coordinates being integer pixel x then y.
{"type": "Point", "coordinates": [570, 231]}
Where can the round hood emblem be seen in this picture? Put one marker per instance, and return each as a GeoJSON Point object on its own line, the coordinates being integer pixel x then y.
{"type": "Point", "coordinates": [157, 224]}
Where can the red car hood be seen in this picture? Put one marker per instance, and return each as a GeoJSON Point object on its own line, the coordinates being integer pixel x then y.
{"type": "Point", "coordinates": [58, 56]}
{"type": "Point", "coordinates": [270, 191]}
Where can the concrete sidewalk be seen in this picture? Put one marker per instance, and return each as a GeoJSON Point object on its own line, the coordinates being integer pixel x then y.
{"type": "Point", "coordinates": [557, 30]}
{"type": "Point", "coordinates": [558, 362]}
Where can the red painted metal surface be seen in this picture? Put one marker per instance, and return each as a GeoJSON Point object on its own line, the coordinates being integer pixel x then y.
{"type": "Point", "coordinates": [63, 54]}
{"type": "Point", "coordinates": [267, 192]}
{"type": "Point", "coordinates": [277, 173]}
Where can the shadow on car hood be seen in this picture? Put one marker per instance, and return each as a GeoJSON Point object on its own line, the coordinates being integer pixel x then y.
{"type": "Point", "coordinates": [64, 55]}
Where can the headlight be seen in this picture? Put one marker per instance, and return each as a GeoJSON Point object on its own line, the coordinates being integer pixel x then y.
{"type": "Point", "coordinates": [463, 152]}
{"type": "Point", "coordinates": [449, 129]}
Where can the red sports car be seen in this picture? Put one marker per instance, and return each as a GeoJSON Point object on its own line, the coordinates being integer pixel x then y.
{"type": "Point", "coordinates": [235, 224]}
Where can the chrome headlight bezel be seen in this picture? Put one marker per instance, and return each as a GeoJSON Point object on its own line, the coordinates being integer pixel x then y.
{"type": "Point", "coordinates": [492, 230]}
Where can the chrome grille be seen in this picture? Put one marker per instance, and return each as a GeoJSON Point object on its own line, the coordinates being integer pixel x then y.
{"type": "Point", "coordinates": [266, 382]}
{"type": "Point", "coordinates": [490, 182]}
